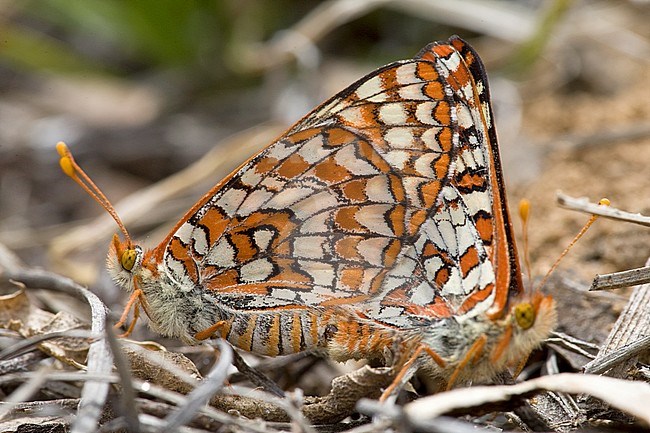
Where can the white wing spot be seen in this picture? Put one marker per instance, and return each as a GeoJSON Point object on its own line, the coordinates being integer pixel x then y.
{"type": "Point", "coordinates": [405, 74]}
{"type": "Point", "coordinates": [184, 233]}
{"type": "Point", "coordinates": [464, 116]}
{"type": "Point", "coordinates": [370, 88]}
{"type": "Point", "coordinates": [355, 165]}
{"type": "Point", "coordinates": [313, 204]}
{"type": "Point", "coordinates": [287, 197]}
{"type": "Point", "coordinates": [256, 270]}
{"type": "Point", "coordinates": [424, 113]}
{"type": "Point", "coordinates": [316, 224]}
{"type": "Point", "coordinates": [200, 237]}
{"type": "Point", "coordinates": [251, 177]}
{"type": "Point", "coordinates": [413, 92]}
{"type": "Point", "coordinates": [397, 158]}
{"type": "Point", "coordinates": [352, 115]}
{"type": "Point", "coordinates": [423, 294]}
{"type": "Point", "coordinates": [393, 113]}
{"type": "Point", "coordinates": [452, 63]}
{"type": "Point", "coordinates": [372, 217]}
{"type": "Point", "coordinates": [230, 200]}
{"type": "Point", "coordinates": [321, 273]}
{"type": "Point", "coordinates": [424, 165]}
{"type": "Point", "coordinates": [222, 254]}
{"type": "Point", "coordinates": [372, 249]}
{"type": "Point", "coordinates": [254, 201]}
{"type": "Point", "coordinates": [430, 139]}
{"type": "Point", "coordinates": [309, 247]}
{"type": "Point", "coordinates": [400, 137]}
{"type": "Point", "coordinates": [313, 150]}
{"type": "Point", "coordinates": [377, 190]}
{"type": "Point", "coordinates": [263, 238]}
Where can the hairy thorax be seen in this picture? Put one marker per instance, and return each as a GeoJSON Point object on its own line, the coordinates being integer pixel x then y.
{"type": "Point", "coordinates": [486, 346]}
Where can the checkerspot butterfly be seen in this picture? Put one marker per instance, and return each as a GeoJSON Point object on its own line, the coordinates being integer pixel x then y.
{"type": "Point", "coordinates": [378, 222]}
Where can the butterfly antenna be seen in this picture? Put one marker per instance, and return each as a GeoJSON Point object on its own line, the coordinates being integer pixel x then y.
{"type": "Point", "coordinates": [74, 171]}
{"type": "Point", "coordinates": [592, 219]}
{"type": "Point", "coordinates": [524, 213]}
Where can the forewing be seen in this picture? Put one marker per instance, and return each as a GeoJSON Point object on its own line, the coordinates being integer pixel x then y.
{"type": "Point", "coordinates": [463, 260]}
{"type": "Point", "coordinates": [324, 214]}
{"type": "Point", "coordinates": [479, 178]}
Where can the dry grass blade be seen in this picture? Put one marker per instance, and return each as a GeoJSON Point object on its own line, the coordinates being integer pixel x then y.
{"type": "Point", "coordinates": [21, 362]}
{"type": "Point", "coordinates": [617, 280]}
{"type": "Point", "coordinates": [24, 392]}
{"type": "Point", "coordinates": [619, 356]}
{"type": "Point", "coordinates": [573, 344]}
{"type": "Point", "coordinates": [510, 22]}
{"type": "Point", "coordinates": [8, 260]}
{"type": "Point", "coordinates": [445, 424]}
{"type": "Point", "coordinates": [255, 376]}
{"type": "Point", "coordinates": [603, 137]}
{"type": "Point", "coordinates": [630, 328]}
{"type": "Point", "coordinates": [100, 358]}
{"type": "Point", "coordinates": [63, 376]}
{"type": "Point", "coordinates": [31, 343]}
{"type": "Point", "coordinates": [201, 395]}
{"type": "Point", "coordinates": [628, 396]}
{"type": "Point", "coordinates": [160, 410]}
{"type": "Point", "coordinates": [584, 205]}
{"type": "Point", "coordinates": [149, 389]}
{"type": "Point", "coordinates": [127, 402]}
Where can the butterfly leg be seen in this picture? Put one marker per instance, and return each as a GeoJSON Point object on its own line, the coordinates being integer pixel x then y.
{"type": "Point", "coordinates": [131, 304]}
{"type": "Point", "coordinates": [405, 368]}
{"type": "Point", "coordinates": [472, 355]}
{"type": "Point", "coordinates": [136, 316]}
{"type": "Point", "coordinates": [221, 326]}
{"type": "Point", "coordinates": [502, 346]}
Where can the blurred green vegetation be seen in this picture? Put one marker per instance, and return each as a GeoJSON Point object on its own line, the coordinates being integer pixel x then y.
{"type": "Point", "coordinates": [199, 38]}
{"type": "Point", "coordinates": [123, 37]}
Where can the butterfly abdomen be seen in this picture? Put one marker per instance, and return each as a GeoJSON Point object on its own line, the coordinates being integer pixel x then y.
{"type": "Point", "coordinates": [335, 332]}
{"type": "Point", "coordinates": [349, 337]}
{"type": "Point", "coordinates": [273, 333]}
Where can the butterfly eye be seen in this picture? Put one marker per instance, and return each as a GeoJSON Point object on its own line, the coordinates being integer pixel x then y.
{"type": "Point", "coordinates": [525, 315]}
{"type": "Point", "coordinates": [128, 259]}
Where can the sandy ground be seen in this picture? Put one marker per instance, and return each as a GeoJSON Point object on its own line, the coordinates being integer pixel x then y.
{"type": "Point", "coordinates": [616, 169]}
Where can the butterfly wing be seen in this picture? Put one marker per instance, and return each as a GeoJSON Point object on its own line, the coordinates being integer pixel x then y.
{"type": "Point", "coordinates": [382, 198]}
{"type": "Point", "coordinates": [478, 176]}
{"type": "Point", "coordinates": [465, 259]}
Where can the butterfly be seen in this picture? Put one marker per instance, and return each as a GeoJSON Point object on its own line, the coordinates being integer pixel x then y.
{"type": "Point", "coordinates": [377, 224]}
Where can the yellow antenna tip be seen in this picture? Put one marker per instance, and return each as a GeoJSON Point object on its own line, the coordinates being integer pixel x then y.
{"type": "Point", "coordinates": [62, 149]}
{"type": "Point", "coordinates": [524, 209]}
{"type": "Point", "coordinates": [604, 202]}
{"type": "Point", "coordinates": [66, 159]}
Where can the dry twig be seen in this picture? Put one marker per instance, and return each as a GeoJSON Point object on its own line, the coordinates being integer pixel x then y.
{"type": "Point", "coordinates": [630, 330]}
{"type": "Point", "coordinates": [617, 280]}
{"type": "Point", "coordinates": [583, 205]}
{"type": "Point", "coordinates": [628, 396]}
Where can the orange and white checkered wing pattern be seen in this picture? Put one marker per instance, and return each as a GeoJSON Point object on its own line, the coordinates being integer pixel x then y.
{"type": "Point", "coordinates": [463, 259]}
{"type": "Point", "coordinates": [331, 205]}
{"type": "Point", "coordinates": [379, 202]}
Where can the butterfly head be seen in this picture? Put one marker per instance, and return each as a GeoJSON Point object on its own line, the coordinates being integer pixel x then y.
{"type": "Point", "coordinates": [527, 324]}
{"type": "Point", "coordinates": [124, 262]}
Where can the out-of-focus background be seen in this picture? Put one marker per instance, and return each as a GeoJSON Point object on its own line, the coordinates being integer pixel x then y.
{"type": "Point", "coordinates": [141, 90]}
